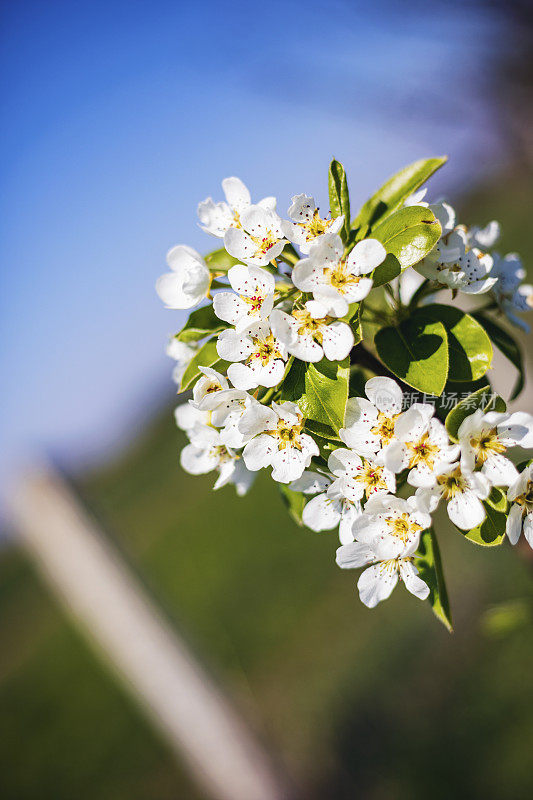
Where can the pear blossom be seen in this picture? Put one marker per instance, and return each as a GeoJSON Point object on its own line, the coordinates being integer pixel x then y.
{"type": "Point", "coordinates": [188, 417]}
{"type": "Point", "coordinates": [182, 353]}
{"type": "Point", "coordinates": [278, 440]}
{"type": "Point", "coordinates": [260, 238]}
{"type": "Point", "coordinates": [307, 226]}
{"type": "Point", "coordinates": [335, 281]}
{"type": "Point", "coordinates": [254, 299]}
{"type": "Point", "coordinates": [216, 218]}
{"type": "Point", "coordinates": [232, 406]}
{"type": "Point", "coordinates": [520, 496]}
{"type": "Point", "coordinates": [207, 389]}
{"type": "Point", "coordinates": [362, 477]}
{"type": "Point", "coordinates": [189, 281]}
{"type": "Point", "coordinates": [512, 295]}
{"type": "Point", "coordinates": [309, 334]}
{"type": "Point", "coordinates": [207, 452]}
{"type": "Point", "coordinates": [422, 446]}
{"type": "Point", "coordinates": [369, 423]}
{"type": "Point", "coordinates": [463, 491]}
{"type": "Point", "coordinates": [453, 263]}
{"type": "Point", "coordinates": [262, 356]}
{"type": "Point", "coordinates": [391, 526]}
{"type": "Point", "coordinates": [485, 438]}
{"type": "Point", "coordinates": [331, 507]}
{"type": "Point", "coordinates": [378, 581]}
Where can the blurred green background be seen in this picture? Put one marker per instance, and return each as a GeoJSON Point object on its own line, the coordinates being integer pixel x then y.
{"type": "Point", "coordinates": [375, 704]}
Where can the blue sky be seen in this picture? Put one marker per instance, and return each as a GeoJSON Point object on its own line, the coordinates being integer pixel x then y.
{"type": "Point", "coordinates": [121, 116]}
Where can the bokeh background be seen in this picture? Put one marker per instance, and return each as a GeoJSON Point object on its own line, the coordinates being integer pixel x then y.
{"type": "Point", "coordinates": [118, 118]}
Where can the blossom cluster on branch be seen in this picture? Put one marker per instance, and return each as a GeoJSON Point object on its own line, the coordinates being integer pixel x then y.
{"type": "Point", "coordinates": [321, 349]}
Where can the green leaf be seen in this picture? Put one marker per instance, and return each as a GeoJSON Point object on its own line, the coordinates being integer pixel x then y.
{"type": "Point", "coordinates": [485, 398]}
{"type": "Point", "coordinates": [497, 499]}
{"type": "Point", "coordinates": [339, 198]}
{"type": "Point", "coordinates": [397, 189]}
{"type": "Point", "coordinates": [295, 502]}
{"type": "Point", "coordinates": [469, 345]}
{"type": "Point", "coordinates": [416, 352]}
{"type": "Point", "coordinates": [201, 322]}
{"type": "Point", "coordinates": [321, 391]}
{"type": "Point", "coordinates": [428, 562]}
{"type": "Point", "coordinates": [206, 356]}
{"type": "Point", "coordinates": [220, 260]}
{"type": "Point", "coordinates": [491, 532]}
{"type": "Point", "coordinates": [407, 235]}
{"type": "Point", "coordinates": [508, 346]}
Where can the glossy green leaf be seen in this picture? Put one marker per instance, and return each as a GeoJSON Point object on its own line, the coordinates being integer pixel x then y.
{"type": "Point", "coordinates": [295, 502]}
{"type": "Point", "coordinates": [321, 391]}
{"type": "Point", "coordinates": [485, 398]}
{"type": "Point", "coordinates": [491, 532]}
{"type": "Point", "coordinates": [416, 351]}
{"type": "Point", "coordinates": [508, 346]}
{"type": "Point", "coordinates": [395, 191]}
{"type": "Point", "coordinates": [469, 345]}
{"type": "Point", "coordinates": [407, 235]}
{"type": "Point", "coordinates": [428, 562]}
{"type": "Point", "coordinates": [201, 322]}
{"type": "Point", "coordinates": [220, 260]}
{"type": "Point", "coordinates": [497, 499]}
{"type": "Point", "coordinates": [339, 198]}
{"type": "Point", "coordinates": [206, 356]}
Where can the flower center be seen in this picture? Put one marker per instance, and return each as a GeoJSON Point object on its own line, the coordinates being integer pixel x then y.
{"type": "Point", "coordinates": [221, 453]}
{"type": "Point", "coordinates": [486, 444]}
{"type": "Point", "coordinates": [403, 527]}
{"type": "Point", "coordinates": [254, 302]}
{"type": "Point", "coordinates": [213, 387]}
{"type": "Point", "coordinates": [526, 500]}
{"type": "Point", "coordinates": [266, 350]}
{"type": "Point", "coordinates": [422, 452]}
{"type": "Point", "coordinates": [315, 227]}
{"type": "Point", "coordinates": [265, 243]}
{"type": "Point", "coordinates": [308, 326]}
{"type": "Point", "coordinates": [339, 277]}
{"type": "Point", "coordinates": [384, 427]}
{"type": "Point", "coordinates": [452, 483]}
{"type": "Point", "coordinates": [371, 476]}
{"type": "Point", "coordinates": [287, 435]}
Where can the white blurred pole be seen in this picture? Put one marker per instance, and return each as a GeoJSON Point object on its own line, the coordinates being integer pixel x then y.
{"type": "Point", "coordinates": [98, 588]}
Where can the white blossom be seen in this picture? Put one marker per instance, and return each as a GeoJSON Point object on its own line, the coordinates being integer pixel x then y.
{"type": "Point", "coordinates": [377, 582]}
{"type": "Point", "coordinates": [485, 439]}
{"type": "Point", "coordinates": [391, 525]}
{"type": "Point", "coordinates": [216, 218]}
{"type": "Point", "coordinates": [309, 334]}
{"type": "Point", "coordinates": [362, 477]}
{"type": "Point", "coordinates": [453, 263]}
{"type": "Point", "coordinates": [182, 353]}
{"type": "Point", "coordinates": [260, 238]}
{"type": "Point", "coordinates": [520, 496]}
{"type": "Point", "coordinates": [278, 440]}
{"type": "Point", "coordinates": [207, 452]}
{"type": "Point", "coordinates": [463, 492]}
{"type": "Point", "coordinates": [259, 356]}
{"type": "Point", "coordinates": [189, 417]}
{"type": "Point", "coordinates": [422, 446]}
{"type": "Point", "coordinates": [369, 423]}
{"type": "Point", "coordinates": [232, 406]}
{"type": "Point", "coordinates": [331, 507]}
{"type": "Point", "coordinates": [336, 281]}
{"type": "Point", "coordinates": [253, 300]}
{"type": "Point", "coordinates": [207, 389]}
{"type": "Point", "coordinates": [307, 226]}
{"type": "Point", "coordinates": [512, 295]}
{"type": "Point", "coordinates": [189, 281]}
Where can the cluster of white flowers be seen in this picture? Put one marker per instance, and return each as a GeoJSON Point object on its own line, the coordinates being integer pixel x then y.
{"type": "Point", "coordinates": [464, 260]}
{"type": "Point", "coordinates": [276, 309]}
